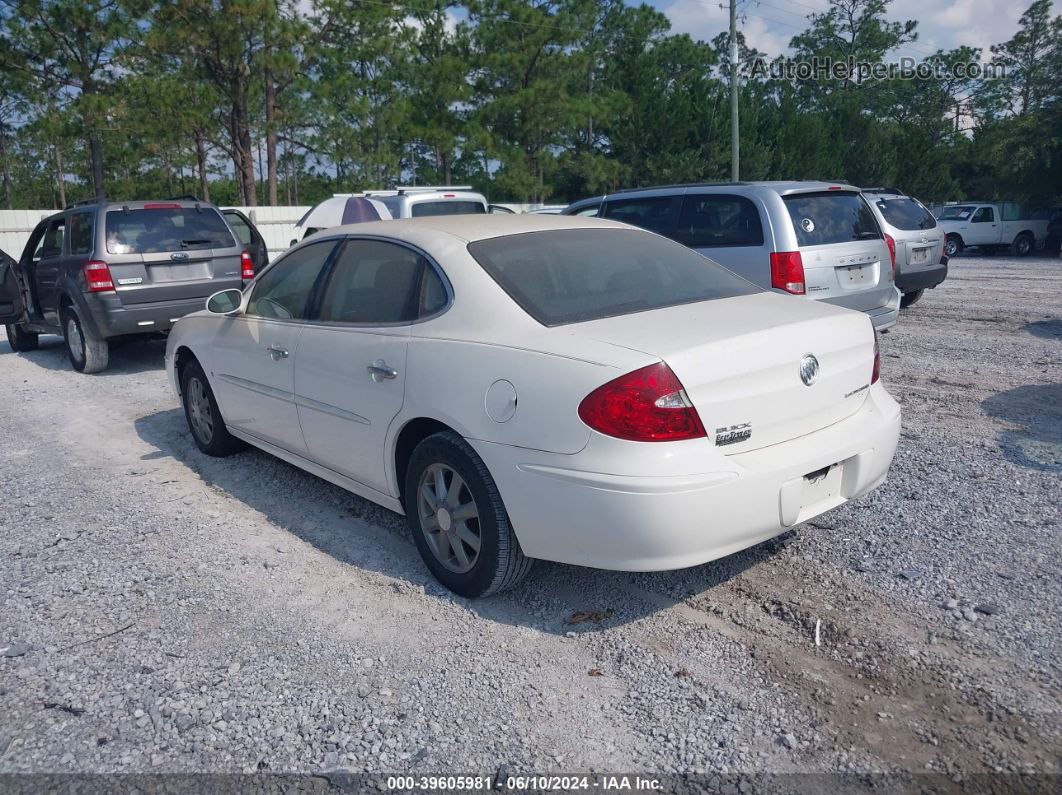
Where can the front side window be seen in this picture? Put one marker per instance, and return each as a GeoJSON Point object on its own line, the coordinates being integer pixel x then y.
{"type": "Point", "coordinates": [718, 221]}
{"type": "Point", "coordinates": [983, 215]}
{"type": "Point", "coordinates": [156, 230]}
{"type": "Point", "coordinates": [283, 292]}
{"type": "Point", "coordinates": [425, 209]}
{"type": "Point", "coordinates": [378, 282]}
{"type": "Point", "coordinates": [574, 275]}
{"type": "Point", "coordinates": [81, 228]}
{"type": "Point", "coordinates": [906, 214]}
{"type": "Point", "coordinates": [831, 217]}
{"type": "Point", "coordinates": [655, 213]}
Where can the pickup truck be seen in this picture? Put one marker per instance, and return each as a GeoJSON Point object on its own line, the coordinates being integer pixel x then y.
{"type": "Point", "coordinates": [990, 226]}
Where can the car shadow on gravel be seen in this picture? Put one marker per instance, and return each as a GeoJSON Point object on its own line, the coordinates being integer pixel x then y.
{"type": "Point", "coordinates": [1047, 329]}
{"type": "Point", "coordinates": [128, 357]}
{"type": "Point", "coordinates": [1037, 409]}
{"type": "Point", "coordinates": [360, 533]}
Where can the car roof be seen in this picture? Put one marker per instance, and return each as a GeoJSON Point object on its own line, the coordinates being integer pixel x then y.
{"type": "Point", "coordinates": [782, 187]}
{"type": "Point", "coordinates": [472, 227]}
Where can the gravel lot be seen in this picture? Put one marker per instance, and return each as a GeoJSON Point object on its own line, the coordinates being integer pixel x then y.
{"type": "Point", "coordinates": [161, 611]}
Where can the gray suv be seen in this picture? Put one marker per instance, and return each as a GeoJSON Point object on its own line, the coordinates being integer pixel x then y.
{"type": "Point", "coordinates": [100, 270]}
{"type": "Point", "coordinates": [921, 263]}
{"type": "Point", "coordinates": [814, 239]}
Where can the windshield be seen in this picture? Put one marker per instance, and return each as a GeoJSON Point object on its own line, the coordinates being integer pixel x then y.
{"type": "Point", "coordinates": [906, 214]}
{"type": "Point", "coordinates": [836, 217]}
{"type": "Point", "coordinates": [955, 213]}
{"type": "Point", "coordinates": [151, 230]}
{"type": "Point", "coordinates": [574, 275]}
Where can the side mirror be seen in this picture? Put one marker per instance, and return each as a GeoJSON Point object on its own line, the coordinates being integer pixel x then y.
{"type": "Point", "coordinates": [225, 302]}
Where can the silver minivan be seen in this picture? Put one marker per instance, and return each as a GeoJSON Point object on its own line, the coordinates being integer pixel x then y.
{"type": "Point", "coordinates": [815, 239]}
{"type": "Point", "coordinates": [418, 202]}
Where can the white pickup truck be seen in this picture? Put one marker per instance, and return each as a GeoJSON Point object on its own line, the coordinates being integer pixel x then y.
{"type": "Point", "coordinates": [990, 226]}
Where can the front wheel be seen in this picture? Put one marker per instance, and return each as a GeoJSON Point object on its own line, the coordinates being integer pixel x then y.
{"type": "Point", "coordinates": [19, 339]}
{"type": "Point", "coordinates": [1023, 245]}
{"type": "Point", "coordinates": [203, 415]}
{"type": "Point", "coordinates": [953, 245]}
{"type": "Point", "coordinates": [458, 520]}
{"type": "Point", "coordinates": [909, 298]}
{"type": "Point", "coordinates": [87, 352]}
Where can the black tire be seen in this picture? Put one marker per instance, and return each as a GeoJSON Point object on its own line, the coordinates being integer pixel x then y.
{"type": "Point", "coordinates": [1024, 245]}
{"type": "Point", "coordinates": [21, 340]}
{"type": "Point", "coordinates": [203, 415]}
{"type": "Point", "coordinates": [499, 563]}
{"type": "Point", "coordinates": [910, 298]}
{"type": "Point", "coordinates": [87, 352]}
{"type": "Point", "coordinates": [953, 245]}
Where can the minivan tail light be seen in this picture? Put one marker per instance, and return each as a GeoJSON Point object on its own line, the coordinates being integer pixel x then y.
{"type": "Point", "coordinates": [246, 265]}
{"type": "Point", "coordinates": [647, 405]}
{"type": "Point", "coordinates": [875, 373]}
{"type": "Point", "coordinates": [787, 271]}
{"type": "Point", "coordinates": [98, 277]}
{"type": "Point", "coordinates": [892, 254]}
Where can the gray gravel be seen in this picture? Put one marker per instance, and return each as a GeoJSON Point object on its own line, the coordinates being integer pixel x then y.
{"type": "Point", "coordinates": [163, 611]}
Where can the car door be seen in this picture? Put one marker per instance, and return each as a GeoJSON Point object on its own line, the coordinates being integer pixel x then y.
{"type": "Point", "coordinates": [254, 352]}
{"type": "Point", "coordinates": [47, 263]}
{"type": "Point", "coordinates": [350, 372]}
{"type": "Point", "coordinates": [984, 228]}
{"type": "Point", "coordinates": [12, 302]}
{"type": "Point", "coordinates": [247, 233]}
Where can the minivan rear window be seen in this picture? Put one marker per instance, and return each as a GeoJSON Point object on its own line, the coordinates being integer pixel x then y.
{"type": "Point", "coordinates": [831, 217]}
{"type": "Point", "coordinates": [424, 209]}
{"type": "Point", "coordinates": [906, 214]}
{"type": "Point", "coordinates": [573, 275]}
{"type": "Point", "coordinates": [155, 230]}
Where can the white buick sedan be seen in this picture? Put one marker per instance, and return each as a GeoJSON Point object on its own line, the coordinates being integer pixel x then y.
{"type": "Point", "coordinates": [532, 386]}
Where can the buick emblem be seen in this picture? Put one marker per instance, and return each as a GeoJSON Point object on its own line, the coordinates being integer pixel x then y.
{"type": "Point", "coordinates": [809, 369]}
{"type": "Point", "coordinates": [179, 256]}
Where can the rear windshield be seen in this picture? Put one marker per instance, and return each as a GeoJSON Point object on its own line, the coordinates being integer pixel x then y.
{"type": "Point", "coordinates": [574, 275]}
{"type": "Point", "coordinates": [151, 231]}
{"type": "Point", "coordinates": [955, 213]}
{"type": "Point", "coordinates": [824, 218]}
{"type": "Point", "coordinates": [421, 209]}
{"type": "Point", "coordinates": [906, 214]}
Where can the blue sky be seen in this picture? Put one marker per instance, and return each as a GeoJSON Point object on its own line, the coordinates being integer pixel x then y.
{"type": "Point", "coordinates": [770, 24]}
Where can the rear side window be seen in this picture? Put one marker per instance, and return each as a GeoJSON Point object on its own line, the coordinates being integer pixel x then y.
{"type": "Point", "coordinates": [151, 231]}
{"type": "Point", "coordinates": [283, 292]}
{"type": "Point", "coordinates": [834, 217]}
{"type": "Point", "coordinates": [655, 213]}
{"type": "Point", "coordinates": [906, 214]}
{"type": "Point", "coordinates": [81, 225]}
{"type": "Point", "coordinates": [240, 227]}
{"type": "Point", "coordinates": [574, 275]}
{"type": "Point", "coordinates": [424, 209]}
{"type": "Point", "coordinates": [718, 221]}
{"type": "Point", "coordinates": [378, 282]}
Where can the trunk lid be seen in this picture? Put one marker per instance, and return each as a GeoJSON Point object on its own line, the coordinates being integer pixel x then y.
{"type": "Point", "coordinates": [142, 278]}
{"type": "Point", "coordinates": [739, 360]}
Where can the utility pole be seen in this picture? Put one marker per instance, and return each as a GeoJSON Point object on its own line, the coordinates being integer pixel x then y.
{"type": "Point", "coordinates": [734, 145]}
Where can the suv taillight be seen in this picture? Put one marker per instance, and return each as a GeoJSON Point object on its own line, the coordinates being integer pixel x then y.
{"type": "Point", "coordinates": [98, 277]}
{"type": "Point", "coordinates": [787, 271]}
{"type": "Point", "coordinates": [647, 405]}
{"type": "Point", "coordinates": [892, 254]}
{"type": "Point", "coordinates": [246, 265]}
{"type": "Point", "coordinates": [875, 373]}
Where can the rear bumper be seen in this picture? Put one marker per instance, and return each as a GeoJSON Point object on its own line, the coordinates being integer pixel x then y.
{"type": "Point", "coordinates": [923, 279]}
{"type": "Point", "coordinates": [113, 319]}
{"type": "Point", "coordinates": [883, 316]}
{"type": "Point", "coordinates": [650, 507]}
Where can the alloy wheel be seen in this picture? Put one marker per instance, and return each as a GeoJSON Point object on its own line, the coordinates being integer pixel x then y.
{"type": "Point", "coordinates": [74, 340]}
{"type": "Point", "coordinates": [449, 518]}
{"type": "Point", "coordinates": [199, 410]}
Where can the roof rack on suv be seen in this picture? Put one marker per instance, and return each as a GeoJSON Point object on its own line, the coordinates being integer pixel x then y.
{"type": "Point", "coordinates": [896, 191]}
{"type": "Point", "coordinates": [186, 197]}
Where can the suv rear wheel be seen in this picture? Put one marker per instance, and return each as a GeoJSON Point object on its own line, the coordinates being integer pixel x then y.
{"type": "Point", "coordinates": [953, 245]}
{"type": "Point", "coordinates": [1023, 245]}
{"type": "Point", "coordinates": [19, 339]}
{"type": "Point", "coordinates": [87, 352]}
{"type": "Point", "coordinates": [909, 298]}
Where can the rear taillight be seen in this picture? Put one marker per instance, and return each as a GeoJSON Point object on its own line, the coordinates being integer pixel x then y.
{"type": "Point", "coordinates": [892, 254]}
{"type": "Point", "coordinates": [875, 373]}
{"type": "Point", "coordinates": [787, 271]}
{"type": "Point", "coordinates": [98, 277]}
{"type": "Point", "coordinates": [246, 266]}
{"type": "Point", "coordinates": [648, 405]}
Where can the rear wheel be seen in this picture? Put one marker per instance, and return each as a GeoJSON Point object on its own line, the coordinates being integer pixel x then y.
{"type": "Point", "coordinates": [87, 352]}
{"type": "Point", "coordinates": [19, 339]}
{"type": "Point", "coordinates": [203, 415]}
{"type": "Point", "coordinates": [458, 520]}
{"type": "Point", "coordinates": [953, 245]}
{"type": "Point", "coordinates": [1023, 245]}
{"type": "Point", "coordinates": [909, 298]}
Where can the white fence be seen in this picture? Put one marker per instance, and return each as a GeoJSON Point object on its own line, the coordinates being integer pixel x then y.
{"type": "Point", "coordinates": [277, 225]}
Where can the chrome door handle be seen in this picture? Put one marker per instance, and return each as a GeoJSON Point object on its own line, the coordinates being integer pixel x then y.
{"type": "Point", "coordinates": [380, 371]}
{"type": "Point", "coordinates": [277, 352]}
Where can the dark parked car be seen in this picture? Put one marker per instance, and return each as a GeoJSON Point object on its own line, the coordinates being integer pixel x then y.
{"type": "Point", "coordinates": [100, 270]}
